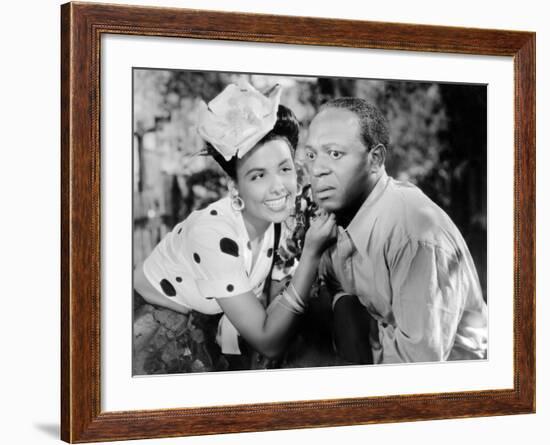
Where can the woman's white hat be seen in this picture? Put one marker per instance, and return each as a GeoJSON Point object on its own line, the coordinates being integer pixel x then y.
{"type": "Point", "coordinates": [237, 118]}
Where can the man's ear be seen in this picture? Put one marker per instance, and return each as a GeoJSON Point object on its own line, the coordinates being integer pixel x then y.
{"type": "Point", "coordinates": [378, 156]}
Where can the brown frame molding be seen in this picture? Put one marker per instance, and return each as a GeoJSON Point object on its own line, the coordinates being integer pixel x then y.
{"type": "Point", "coordinates": [82, 25]}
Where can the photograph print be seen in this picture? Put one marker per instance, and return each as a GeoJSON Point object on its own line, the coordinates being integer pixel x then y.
{"type": "Point", "coordinates": [294, 222]}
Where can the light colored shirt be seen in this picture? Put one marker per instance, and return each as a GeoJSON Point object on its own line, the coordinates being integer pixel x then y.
{"type": "Point", "coordinates": [410, 267]}
{"type": "Point", "coordinates": [206, 257]}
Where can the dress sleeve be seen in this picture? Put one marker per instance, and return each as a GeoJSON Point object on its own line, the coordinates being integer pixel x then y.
{"type": "Point", "coordinates": [428, 301]}
{"type": "Point", "coordinates": [216, 254]}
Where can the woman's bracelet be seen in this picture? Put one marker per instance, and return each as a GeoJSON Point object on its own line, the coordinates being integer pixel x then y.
{"type": "Point", "coordinates": [291, 300]}
{"type": "Point", "coordinates": [280, 300]}
{"type": "Point", "coordinates": [295, 295]}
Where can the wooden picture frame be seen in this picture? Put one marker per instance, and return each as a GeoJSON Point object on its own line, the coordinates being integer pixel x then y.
{"type": "Point", "coordinates": [82, 25]}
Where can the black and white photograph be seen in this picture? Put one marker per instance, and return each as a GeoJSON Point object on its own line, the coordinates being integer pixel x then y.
{"type": "Point", "coordinates": [290, 222]}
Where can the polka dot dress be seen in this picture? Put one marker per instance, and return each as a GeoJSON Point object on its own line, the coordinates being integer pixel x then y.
{"type": "Point", "coordinates": [208, 256]}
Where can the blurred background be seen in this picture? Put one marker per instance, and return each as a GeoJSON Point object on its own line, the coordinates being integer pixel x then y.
{"type": "Point", "coordinates": [437, 141]}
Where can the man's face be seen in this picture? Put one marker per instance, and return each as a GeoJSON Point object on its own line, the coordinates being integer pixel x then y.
{"type": "Point", "coordinates": [337, 161]}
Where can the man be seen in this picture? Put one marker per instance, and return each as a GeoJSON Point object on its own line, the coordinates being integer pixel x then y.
{"type": "Point", "coordinates": [397, 252]}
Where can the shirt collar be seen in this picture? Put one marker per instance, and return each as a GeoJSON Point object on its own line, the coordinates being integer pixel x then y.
{"type": "Point", "coordinates": [356, 228]}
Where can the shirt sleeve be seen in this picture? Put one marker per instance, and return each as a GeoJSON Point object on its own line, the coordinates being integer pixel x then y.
{"type": "Point", "coordinates": [428, 300]}
{"type": "Point", "coordinates": [216, 254]}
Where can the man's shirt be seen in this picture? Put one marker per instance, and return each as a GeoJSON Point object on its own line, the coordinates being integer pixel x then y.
{"type": "Point", "coordinates": [409, 265]}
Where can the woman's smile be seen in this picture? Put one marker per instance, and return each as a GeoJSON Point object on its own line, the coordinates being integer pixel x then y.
{"type": "Point", "coordinates": [277, 204]}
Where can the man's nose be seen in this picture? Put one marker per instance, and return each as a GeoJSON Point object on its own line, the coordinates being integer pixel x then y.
{"type": "Point", "coordinates": [319, 167]}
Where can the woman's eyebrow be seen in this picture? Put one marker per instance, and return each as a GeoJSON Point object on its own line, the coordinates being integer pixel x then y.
{"type": "Point", "coordinates": [260, 169]}
{"type": "Point", "coordinates": [255, 169]}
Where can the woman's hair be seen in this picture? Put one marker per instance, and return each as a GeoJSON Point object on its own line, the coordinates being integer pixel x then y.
{"type": "Point", "coordinates": [286, 127]}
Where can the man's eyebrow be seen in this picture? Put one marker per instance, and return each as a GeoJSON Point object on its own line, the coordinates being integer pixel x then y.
{"type": "Point", "coordinates": [325, 146]}
{"type": "Point", "coordinates": [329, 145]}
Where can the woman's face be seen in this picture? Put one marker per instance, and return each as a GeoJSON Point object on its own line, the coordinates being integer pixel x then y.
{"type": "Point", "coordinates": [266, 181]}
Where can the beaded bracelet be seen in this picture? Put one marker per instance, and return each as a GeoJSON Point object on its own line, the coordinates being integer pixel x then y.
{"type": "Point", "coordinates": [279, 299]}
{"type": "Point", "coordinates": [295, 296]}
{"type": "Point", "coordinates": [290, 300]}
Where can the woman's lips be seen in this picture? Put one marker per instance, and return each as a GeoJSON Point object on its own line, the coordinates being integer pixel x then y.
{"type": "Point", "coordinates": [276, 204]}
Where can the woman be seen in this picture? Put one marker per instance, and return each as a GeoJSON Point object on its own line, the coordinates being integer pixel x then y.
{"type": "Point", "coordinates": [218, 259]}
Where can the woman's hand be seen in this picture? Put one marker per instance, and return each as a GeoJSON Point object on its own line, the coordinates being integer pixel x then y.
{"type": "Point", "coordinates": [269, 331]}
{"type": "Point", "coordinates": [321, 233]}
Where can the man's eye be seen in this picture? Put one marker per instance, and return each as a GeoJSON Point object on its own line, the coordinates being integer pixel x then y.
{"type": "Point", "coordinates": [256, 177]}
{"type": "Point", "coordinates": [310, 155]}
{"type": "Point", "coordinates": [286, 169]}
{"type": "Point", "coordinates": [335, 154]}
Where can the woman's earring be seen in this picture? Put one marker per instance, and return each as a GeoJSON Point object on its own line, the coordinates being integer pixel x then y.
{"type": "Point", "coordinates": [237, 202]}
